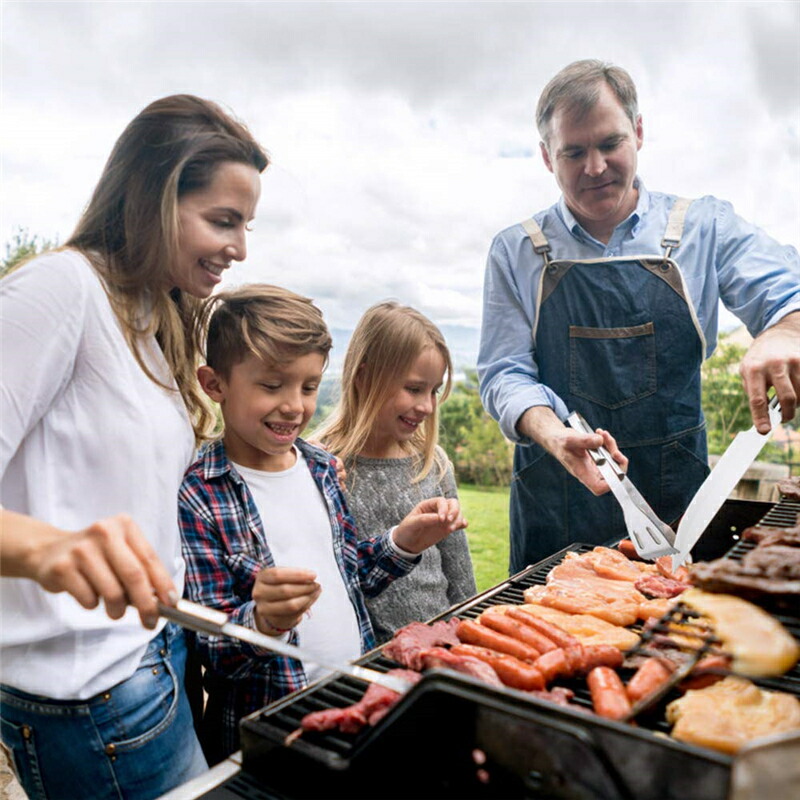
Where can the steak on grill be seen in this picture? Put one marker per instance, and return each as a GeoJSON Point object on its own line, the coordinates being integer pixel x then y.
{"type": "Point", "coordinates": [790, 488]}
{"type": "Point", "coordinates": [374, 705]}
{"type": "Point", "coordinates": [409, 644]}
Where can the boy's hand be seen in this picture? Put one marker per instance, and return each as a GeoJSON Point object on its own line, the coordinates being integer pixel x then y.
{"type": "Point", "coordinates": [428, 523]}
{"type": "Point", "coordinates": [282, 595]}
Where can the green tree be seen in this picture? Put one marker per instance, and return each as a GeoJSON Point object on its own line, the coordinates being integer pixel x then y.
{"type": "Point", "coordinates": [725, 403]}
{"type": "Point", "coordinates": [473, 440]}
{"type": "Point", "coordinates": [22, 247]}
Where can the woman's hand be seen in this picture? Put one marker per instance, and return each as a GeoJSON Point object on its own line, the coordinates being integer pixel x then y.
{"type": "Point", "coordinates": [110, 561]}
{"type": "Point", "coordinates": [282, 596]}
{"type": "Point", "coordinates": [428, 523]}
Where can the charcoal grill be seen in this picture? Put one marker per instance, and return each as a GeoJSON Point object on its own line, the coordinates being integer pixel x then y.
{"type": "Point", "coordinates": [528, 748]}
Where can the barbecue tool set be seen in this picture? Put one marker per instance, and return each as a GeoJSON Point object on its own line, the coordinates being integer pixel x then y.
{"type": "Point", "coordinates": [651, 536]}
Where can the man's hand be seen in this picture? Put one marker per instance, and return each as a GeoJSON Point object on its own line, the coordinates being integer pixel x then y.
{"type": "Point", "coordinates": [428, 523]}
{"type": "Point", "coordinates": [571, 447]}
{"type": "Point", "coordinates": [773, 360]}
{"type": "Point", "coordinates": [282, 596]}
{"type": "Point", "coordinates": [110, 561]}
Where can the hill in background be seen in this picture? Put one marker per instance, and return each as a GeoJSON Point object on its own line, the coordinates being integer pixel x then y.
{"type": "Point", "coordinates": [462, 342]}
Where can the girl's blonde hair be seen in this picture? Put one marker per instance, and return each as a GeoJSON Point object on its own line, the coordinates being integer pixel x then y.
{"type": "Point", "coordinates": [130, 231]}
{"type": "Point", "coordinates": [383, 348]}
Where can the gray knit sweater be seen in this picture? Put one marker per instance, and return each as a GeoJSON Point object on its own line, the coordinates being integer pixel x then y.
{"type": "Point", "coordinates": [380, 494]}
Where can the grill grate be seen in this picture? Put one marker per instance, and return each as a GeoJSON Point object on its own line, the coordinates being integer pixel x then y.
{"type": "Point", "coordinates": [782, 514]}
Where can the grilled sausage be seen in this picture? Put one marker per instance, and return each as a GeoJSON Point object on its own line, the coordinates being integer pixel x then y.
{"type": "Point", "coordinates": [628, 549]}
{"type": "Point", "coordinates": [648, 678]}
{"type": "Point", "coordinates": [543, 643]}
{"type": "Point", "coordinates": [553, 664]}
{"type": "Point", "coordinates": [471, 632]}
{"type": "Point", "coordinates": [706, 672]}
{"type": "Point", "coordinates": [608, 693]}
{"type": "Point", "coordinates": [600, 655]}
{"type": "Point", "coordinates": [500, 622]}
{"type": "Point", "coordinates": [558, 636]}
{"type": "Point", "coordinates": [511, 671]}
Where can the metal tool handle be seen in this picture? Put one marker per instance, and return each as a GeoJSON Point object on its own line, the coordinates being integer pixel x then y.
{"type": "Point", "coordinates": [216, 623]}
{"type": "Point", "coordinates": [600, 456]}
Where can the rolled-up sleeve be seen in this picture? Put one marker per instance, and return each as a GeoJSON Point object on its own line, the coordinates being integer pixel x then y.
{"type": "Point", "coordinates": [759, 278]}
{"type": "Point", "coordinates": [507, 368]}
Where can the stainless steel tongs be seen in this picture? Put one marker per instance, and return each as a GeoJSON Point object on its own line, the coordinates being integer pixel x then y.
{"type": "Point", "coordinates": [650, 535]}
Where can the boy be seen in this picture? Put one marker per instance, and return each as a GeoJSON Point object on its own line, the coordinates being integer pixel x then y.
{"type": "Point", "coordinates": [266, 531]}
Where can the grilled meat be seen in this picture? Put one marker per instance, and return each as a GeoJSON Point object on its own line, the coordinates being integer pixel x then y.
{"type": "Point", "coordinates": [577, 587]}
{"type": "Point", "coordinates": [772, 569]}
{"type": "Point", "coordinates": [659, 586]}
{"type": "Point", "coordinates": [372, 707]}
{"type": "Point", "coordinates": [790, 488]}
{"type": "Point", "coordinates": [440, 658]}
{"type": "Point", "coordinates": [586, 628]}
{"type": "Point", "coordinates": [731, 713]}
{"type": "Point", "coordinates": [608, 693]}
{"type": "Point", "coordinates": [408, 645]}
{"type": "Point", "coordinates": [759, 644]}
{"type": "Point", "coordinates": [766, 535]}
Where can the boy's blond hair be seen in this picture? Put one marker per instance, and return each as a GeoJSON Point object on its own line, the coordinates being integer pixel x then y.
{"type": "Point", "coordinates": [263, 320]}
{"type": "Point", "coordinates": [383, 348]}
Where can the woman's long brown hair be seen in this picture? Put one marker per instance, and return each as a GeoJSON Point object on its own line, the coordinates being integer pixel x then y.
{"type": "Point", "coordinates": [129, 231]}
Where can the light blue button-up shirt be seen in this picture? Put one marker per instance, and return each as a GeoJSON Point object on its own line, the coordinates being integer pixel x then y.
{"type": "Point", "coordinates": [721, 257]}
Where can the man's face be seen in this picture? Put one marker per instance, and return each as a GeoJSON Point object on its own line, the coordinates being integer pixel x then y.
{"type": "Point", "coordinates": [594, 161]}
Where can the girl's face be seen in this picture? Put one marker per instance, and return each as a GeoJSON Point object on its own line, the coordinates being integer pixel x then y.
{"type": "Point", "coordinates": [213, 224]}
{"type": "Point", "coordinates": [409, 405]}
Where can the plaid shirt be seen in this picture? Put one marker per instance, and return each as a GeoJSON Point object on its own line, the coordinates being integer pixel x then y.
{"type": "Point", "coordinates": [225, 547]}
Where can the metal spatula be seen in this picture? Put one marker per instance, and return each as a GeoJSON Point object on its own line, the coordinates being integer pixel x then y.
{"type": "Point", "coordinates": [650, 535]}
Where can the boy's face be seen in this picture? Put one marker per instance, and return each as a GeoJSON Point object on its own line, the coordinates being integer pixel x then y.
{"type": "Point", "coordinates": [265, 406]}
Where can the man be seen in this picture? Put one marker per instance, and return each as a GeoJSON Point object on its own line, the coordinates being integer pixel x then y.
{"type": "Point", "coordinates": [606, 303]}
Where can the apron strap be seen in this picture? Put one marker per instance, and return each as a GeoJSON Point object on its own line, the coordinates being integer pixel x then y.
{"type": "Point", "coordinates": [674, 231]}
{"type": "Point", "coordinates": [539, 240]}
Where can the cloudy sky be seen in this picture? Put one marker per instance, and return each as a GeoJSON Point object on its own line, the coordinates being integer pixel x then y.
{"type": "Point", "coordinates": [401, 133]}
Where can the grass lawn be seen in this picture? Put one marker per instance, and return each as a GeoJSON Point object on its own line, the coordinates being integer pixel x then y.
{"type": "Point", "coordinates": [486, 510]}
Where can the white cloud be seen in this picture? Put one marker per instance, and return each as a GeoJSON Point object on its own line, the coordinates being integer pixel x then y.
{"type": "Point", "coordinates": [402, 133]}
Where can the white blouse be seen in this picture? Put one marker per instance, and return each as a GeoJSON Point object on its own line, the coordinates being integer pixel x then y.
{"type": "Point", "coordinates": [84, 434]}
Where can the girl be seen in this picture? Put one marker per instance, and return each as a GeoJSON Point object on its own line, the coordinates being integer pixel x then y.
{"type": "Point", "coordinates": [99, 398]}
{"type": "Point", "coordinates": [385, 430]}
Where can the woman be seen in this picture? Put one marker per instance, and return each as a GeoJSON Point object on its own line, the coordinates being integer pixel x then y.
{"type": "Point", "coordinates": [101, 413]}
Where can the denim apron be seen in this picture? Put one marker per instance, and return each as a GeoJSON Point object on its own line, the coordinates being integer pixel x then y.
{"type": "Point", "coordinates": [618, 340]}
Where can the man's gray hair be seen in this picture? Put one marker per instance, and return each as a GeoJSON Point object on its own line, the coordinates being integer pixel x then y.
{"type": "Point", "coordinates": [576, 88]}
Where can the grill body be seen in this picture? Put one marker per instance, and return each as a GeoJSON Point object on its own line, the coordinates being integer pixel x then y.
{"type": "Point", "coordinates": [529, 748]}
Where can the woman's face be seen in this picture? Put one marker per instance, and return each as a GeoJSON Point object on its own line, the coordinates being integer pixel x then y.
{"type": "Point", "coordinates": [213, 227]}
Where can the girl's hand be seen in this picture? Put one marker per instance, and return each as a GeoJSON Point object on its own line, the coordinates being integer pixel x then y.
{"type": "Point", "coordinates": [428, 523]}
{"type": "Point", "coordinates": [110, 561]}
{"type": "Point", "coordinates": [282, 596]}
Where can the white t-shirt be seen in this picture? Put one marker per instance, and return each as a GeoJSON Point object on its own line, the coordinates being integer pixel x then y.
{"type": "Point", "coordinates": [297, 528]}
{"type": "Point", "coordinates": [84, 434]}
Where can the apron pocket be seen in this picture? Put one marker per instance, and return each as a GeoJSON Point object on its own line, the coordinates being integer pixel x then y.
{"type": "Point", "coordinates": [612, 367]}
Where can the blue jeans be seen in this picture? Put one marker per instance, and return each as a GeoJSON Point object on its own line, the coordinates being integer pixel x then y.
{"type": "Point", "coordinates": [135, 741]}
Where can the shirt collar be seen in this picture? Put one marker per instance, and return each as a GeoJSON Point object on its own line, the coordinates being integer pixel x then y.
{"type": "Point", "coordinates": [575, 228]}
{"type": "Point", "coordinates": [216, 462]}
